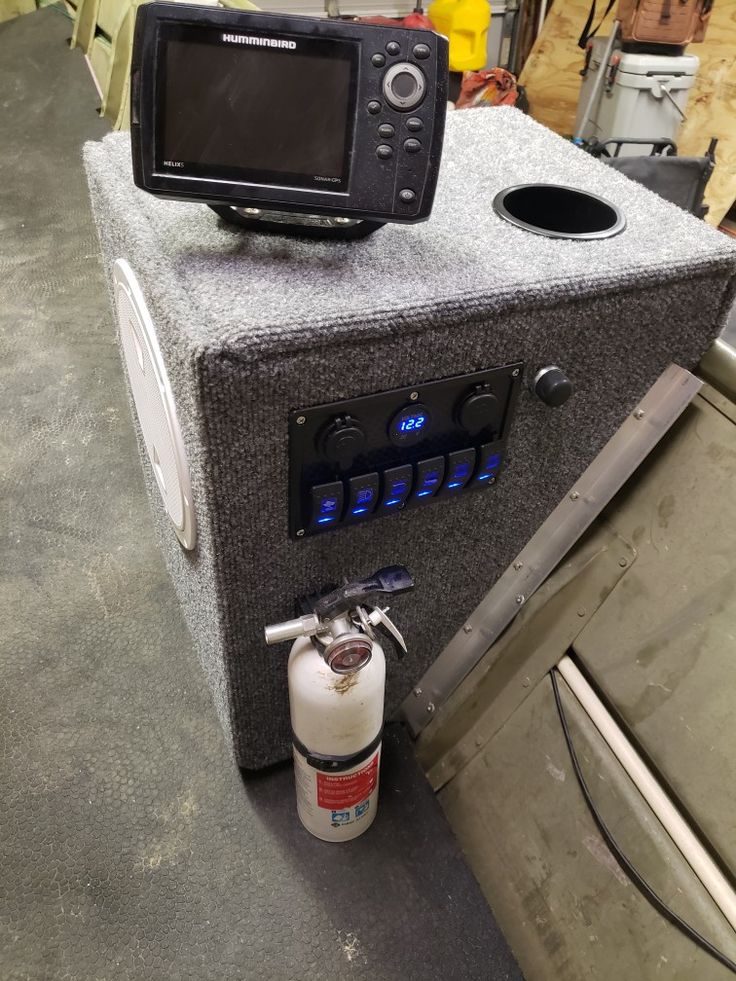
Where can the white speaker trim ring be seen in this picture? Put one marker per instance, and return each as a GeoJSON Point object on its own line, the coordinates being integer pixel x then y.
{"type": "Point", "coordinates": [125, 279]}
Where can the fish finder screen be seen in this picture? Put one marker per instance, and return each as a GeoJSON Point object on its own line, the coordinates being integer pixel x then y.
{"type": "Point", "coordinates": [258, 110]}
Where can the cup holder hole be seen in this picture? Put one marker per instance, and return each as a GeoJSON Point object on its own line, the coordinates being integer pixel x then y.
{"type": "Point", "coordinates": [559, 212]}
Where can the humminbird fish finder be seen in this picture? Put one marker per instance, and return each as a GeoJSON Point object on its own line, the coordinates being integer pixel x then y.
{"type": "Point", "coordinates": [326, 126]}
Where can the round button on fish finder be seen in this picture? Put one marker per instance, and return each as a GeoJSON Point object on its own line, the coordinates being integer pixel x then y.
{"type": "Point", "coordinates": [404, 86]}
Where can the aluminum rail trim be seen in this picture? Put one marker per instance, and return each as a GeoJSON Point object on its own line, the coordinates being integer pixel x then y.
{"type": "Point", "coordinates": [619, 458]}
{"type": "Point", "coordinates": [652, 791]}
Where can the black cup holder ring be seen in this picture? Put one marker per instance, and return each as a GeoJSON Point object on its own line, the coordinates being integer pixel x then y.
{"type": "Point", "coordinates": [557, 211]}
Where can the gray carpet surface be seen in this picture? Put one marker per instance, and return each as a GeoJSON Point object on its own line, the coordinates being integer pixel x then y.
{"type": "Point", "coordinates": [232, 288]}
{"type": "Point", "coordinates": [130, 848]}
{"type": "Point", "coordinates": [252, 327]}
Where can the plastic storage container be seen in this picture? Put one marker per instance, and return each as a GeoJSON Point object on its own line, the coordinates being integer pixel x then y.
{"type": "Point", "coordinates": [639, 102]}
{"type": "Point", "coordinates": [465, 23]}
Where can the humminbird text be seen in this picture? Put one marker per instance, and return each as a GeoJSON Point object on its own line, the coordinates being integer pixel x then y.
{"type": "Point", "coordinates": [263, 42]}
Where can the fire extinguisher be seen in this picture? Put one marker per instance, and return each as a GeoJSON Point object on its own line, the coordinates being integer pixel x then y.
{"type": "Point", "coordinates": [337, 677]}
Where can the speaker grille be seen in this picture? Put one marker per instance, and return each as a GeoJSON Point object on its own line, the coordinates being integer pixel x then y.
{"type": "Point", "coordinates": [154, 403]}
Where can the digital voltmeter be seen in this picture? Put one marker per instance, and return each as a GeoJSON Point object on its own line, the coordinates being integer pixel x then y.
{"type": "Point", "coordinates": [410, 425]}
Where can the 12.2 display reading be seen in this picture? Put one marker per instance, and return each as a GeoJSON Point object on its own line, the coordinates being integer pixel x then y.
{"type": "Point", "coordinates": [410, 425]}
{"type": "Point", "coordinates": [413, 422]}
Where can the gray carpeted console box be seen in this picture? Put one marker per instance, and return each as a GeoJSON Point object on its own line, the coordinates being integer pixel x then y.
{"type": "Point", "coordinates": [251, 327]}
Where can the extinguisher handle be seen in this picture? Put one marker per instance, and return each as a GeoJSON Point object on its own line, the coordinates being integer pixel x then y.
{"type": "Point", "coordinates": [377, 618]}
{"type": "Point", "coordinates": [390, 581]}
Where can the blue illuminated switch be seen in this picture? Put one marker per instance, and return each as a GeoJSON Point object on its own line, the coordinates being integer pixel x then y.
{"type": "Point", "coordinates": [327, 502]}
{"type": "Point", "coordinates": [489, 464]}
{"type": "Point", "coordinates": [397, 483]}
{"type": "Point", "coordinates": [430, 474]}
{"type": "Point", "coordinates": [362, 496]}
{"type": "Point", "coordinates": [460, 466]}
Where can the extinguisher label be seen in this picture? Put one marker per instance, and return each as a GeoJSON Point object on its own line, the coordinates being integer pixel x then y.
{"type": "Point", "coordinates": [336, 791]}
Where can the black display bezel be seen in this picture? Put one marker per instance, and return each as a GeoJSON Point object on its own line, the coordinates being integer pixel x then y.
{"type": "Point", "coordinates": [372, 186]}
{"type": "Point", "coordinates": [316, 47]}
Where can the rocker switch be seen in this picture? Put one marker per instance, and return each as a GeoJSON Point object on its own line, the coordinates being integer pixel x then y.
{"type": "Point", "coordinates": [430, 474]}
{"type": "Point", "coordinates": [363, 495]}
{"type": "Point", "coordinates": [327, 501]}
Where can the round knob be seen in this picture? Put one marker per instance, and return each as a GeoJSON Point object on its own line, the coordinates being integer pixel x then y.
{"type": "Point", "coordinates": [404, 85]}
{"type": "Point", "coordinates": [479, 410]}
{"type": "Point", "coordinates": [552, 386]}
{"type": "Point", "coordinates": [343, 441]}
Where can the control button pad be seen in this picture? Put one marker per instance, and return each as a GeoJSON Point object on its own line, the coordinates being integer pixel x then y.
{"type": "Point", "coordinates": [404, 86]}
{"type": "Point", "coordinates": [398, 96]}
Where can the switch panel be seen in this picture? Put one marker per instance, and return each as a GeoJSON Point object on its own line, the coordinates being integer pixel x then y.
{"type": "Point", "coordinates": [382, 454]}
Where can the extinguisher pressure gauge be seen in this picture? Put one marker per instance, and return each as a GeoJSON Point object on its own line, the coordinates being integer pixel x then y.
{"type": "Point", "coordinates": [342, 621]}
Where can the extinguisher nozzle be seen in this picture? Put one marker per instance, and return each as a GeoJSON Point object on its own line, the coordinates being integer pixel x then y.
{"type": "Point", "coordinates": [305, 626]}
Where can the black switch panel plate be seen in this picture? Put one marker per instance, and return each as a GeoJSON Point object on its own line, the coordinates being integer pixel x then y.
{"type": "Point", "coordinates": [408, 428]}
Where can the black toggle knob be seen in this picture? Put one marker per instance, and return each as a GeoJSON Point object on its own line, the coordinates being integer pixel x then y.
{"type": "Point", "coordinates": [552, 386]}
{"type": "Point", "coordinates": [343, 441]}
{"type": "Point", "coordinates": [479, 410]}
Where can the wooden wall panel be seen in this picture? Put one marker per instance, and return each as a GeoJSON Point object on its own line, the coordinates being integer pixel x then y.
{"type": "Point", "coordinates": [711, 110]}
{"type": "Point", "coordinates": [551, 74]}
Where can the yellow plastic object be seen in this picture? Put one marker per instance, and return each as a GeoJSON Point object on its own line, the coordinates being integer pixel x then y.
{"type": "Point", "coordinates": [465, 24]}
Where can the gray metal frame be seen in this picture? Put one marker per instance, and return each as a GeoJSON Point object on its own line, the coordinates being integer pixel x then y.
{"type": "Point", "coordinates": [619, 458]}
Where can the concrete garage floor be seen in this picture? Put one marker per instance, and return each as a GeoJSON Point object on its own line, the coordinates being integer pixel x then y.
{"type": "Point", "coordinates": [129, 845]}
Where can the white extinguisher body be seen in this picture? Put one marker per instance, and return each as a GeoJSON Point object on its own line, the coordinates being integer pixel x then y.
{"type": "Point", "coordinates": [337, 720]}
